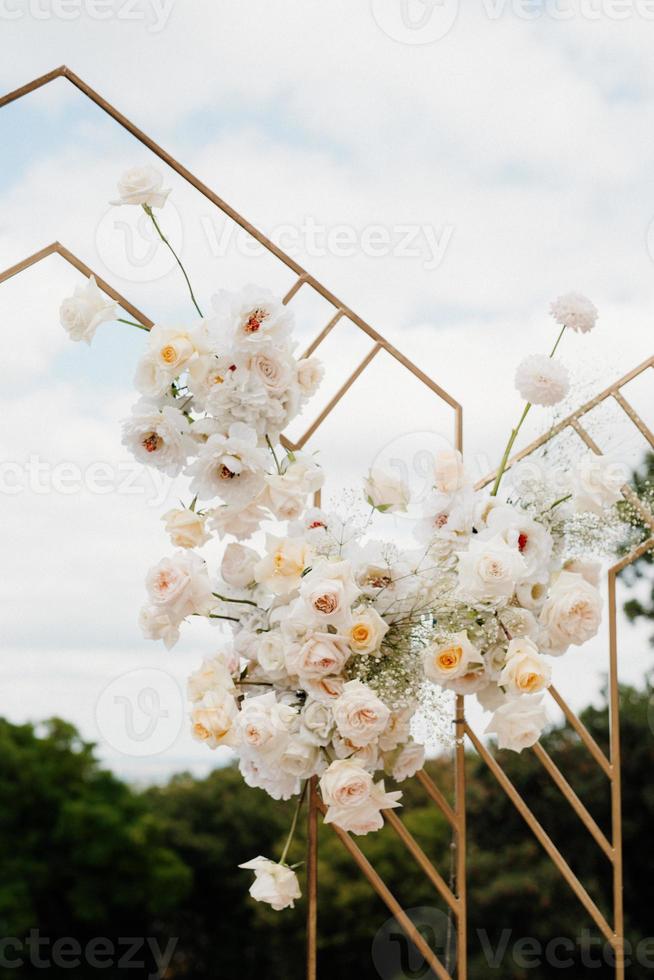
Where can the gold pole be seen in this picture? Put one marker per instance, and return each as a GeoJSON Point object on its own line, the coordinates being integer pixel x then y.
{"type": "Point", "coordinates": [312, 882]}
{"type": "Point", "coordinates": [460, 808]}
{"type": "Point", "coordinates": [616, 784]}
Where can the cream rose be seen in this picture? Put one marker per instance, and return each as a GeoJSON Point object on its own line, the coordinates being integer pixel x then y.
{"type": "Point", "coordinates": [186, 528]}
{"type": "Point", "coordinates": [345, 783]}
{"type": "Point", "coordinates": [518, 724]}
{"type": "Point", "coordinates": [385, 493]}
{"type": "Point", "coordinates": [449, 474]}
{"type": "Point", "coordinates": [367, 815]}
{"type": "Point", "coordinates": [410, 760]}
{"type": "Point", "coordinates": [525, 671]}
{"type": "Point", "coordinates": [142, 185]}
{"type": "Point", "coordinates": [317, 722]}
{"type": "Point", "coordinates": [359, 714]}
{"type": "Point", "coordinates": [310, 373]}
{"type": "Point", "coordinates": [214, 719]}
{"type": "Point", "coordinates": [321, 655]}
{"type": "Point", "coordinates": [280, 571]}
{"type": "Point", "coordinates": [274, 884]}
{"type": "Point", "coordinates": [445, 661]}
{"type": "Point", "coordinates": [271, 370]}
{"type": "Point", "coordinates": [327, 592]}
{"type": "Point", "coordinates": [265, 724]}
{"type": "Point", "coordinates": [237, 565]}
{"type": "Point", "coordinates": [270, 653]}
{"type": "Point", "coordinates": [180, 585]}
{"type": "Point", "coordinates": [489, 571]}
{"type": "Point", "coordinates": [571, 614]}
{"type": "Point", "coordinates": [366, 631]}
{"type": "Point", "coordinates": [82, 313]}
{"type": "Point", "coordinates": [212, 675]}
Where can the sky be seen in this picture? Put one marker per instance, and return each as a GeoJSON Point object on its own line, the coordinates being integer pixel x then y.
{"type": "Point", "coordinates": [445, 171]}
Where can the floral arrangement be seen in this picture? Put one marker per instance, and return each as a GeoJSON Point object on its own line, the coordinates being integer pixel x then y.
{"type": "Point", "coordinates": [341, 648]}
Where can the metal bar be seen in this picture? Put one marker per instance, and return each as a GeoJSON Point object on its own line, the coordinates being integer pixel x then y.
{"type": "Point", "coordinates": [581, 432]}
{"type": "Point", "coordinates": [312, 882]}
{"type": "Point", "coordinates": [616, 782]}
{"type": "Point", "coordinates": [31, 260]}
{"type": "Point", "coordinates": [634, 416]}
{"type": "Point", "coordinates": [33, 85]}
{"type": "Point", "coordinates": [337, 397]}
{"type": "Point", "coordinates": [323, 334]}
{"type": "Point", "coordinates": [569, 793]}
{"type": "Point", "coordinates": [391, 902]}
{"type": "Point", "coordinates": [633, 556]}
{"type": "Point", "coordinates": [582, 732]}
{"type": "Point", "coordinates": [295, 288]}
{"type": "Point", "coordinates": [438, 798]}
{"type": "Point", "coordinates": [543, 837]}
{"type": "Point", "coordinates": [461, 850]}
{"type": "Point", "coordinates": [421, 859]}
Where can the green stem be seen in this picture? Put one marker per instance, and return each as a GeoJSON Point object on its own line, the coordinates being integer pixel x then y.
{"type": "Point", "coordinates": [133, 323]}
{"type": "Point", "coordinates": [514, 432]}
{"type": "Point", "coordinates": [224, 598]}
{"type": "Point", "coordinates": [150, 214]}
{"type": "Point", "coordinates": [233, 619]}
{"type": "Point", "coordinates": [291, 832]}
{"type": "Point", "coordinates": [556, 503]}
{"type": "Point", "coordinates": [274, 455]}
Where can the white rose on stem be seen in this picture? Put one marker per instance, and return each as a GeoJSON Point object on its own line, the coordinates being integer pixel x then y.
{"type": "Point", "coordinates": [449, 474]}
{"type": "Point", "coordinates": [598, 483]}
{"type": "Point", "coordinates": [367, 815]}
{"type": "Point", "coordinates": [444, 661]}
{"type": "Point", "coordinates": [283, 498]}
{"type": "Point", "coordinates": [237, 565]}
{"type": "Point", "coordinates": [168, 353]}
{"type": "Point", "coordinates": [212, 675]}
{"type": "Point", "coordinates": [322, 654]}
{"type": "Point", "coordinates": [345, 783]}
{"type": "Point", "coordinates": [317, 722]}
{"type": "Point", "coordinates": [571, 614]}
{"type": "Point", "coordinates": [158, 437]}
{"type": "Point", "coordinates": [186, 528]}
{"type": "Point", "coordinates": [518, 724]}
{"type": "Point", "coordinates": [257, 774]}
{"type": "Point", "coordinates": [142, 185]}
{"type": "Point", "coordinates": [265, 724]}
{"type": "Point", "coordinates": [82, 313]}
{"type": "Point", "coordinates": [214, 719]}
{"type": "Point", "coordinates": [489, 571]}
{"type": "Point", "coordinates": [525, 671]}
{"type": "Point", "coordinates": [359, 714]}
{"type": "Point", "coordinates": [180, 586]}
{"type": "Point", "coordinates": [574, 311]}
{"type": "Point", "coordinates": [310, 373]}
{"type": "Point", "coordinates": [280, 570]}
{"type": "Point", "coordinates": [230, 467]}
{"type": "Point", "coordinates": [300, 758]}
{"type": "Point", "coordinates": [542, 380]}
{"type": "Point", "coordinates": [366, 631]}
{"type": "Point", "coordinates": [274, 884]}
{"type": "Point", "coordinates": [328, 591]}
{"type": "Point", "coordinates": [385, 493]}
{"type": "Point", "coordinates": [157, 625]}
{"type": "Point", "coordinates": [410, 760]}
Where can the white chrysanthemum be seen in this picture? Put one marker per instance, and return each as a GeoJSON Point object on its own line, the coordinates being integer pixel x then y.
{"type": "Point", "coordinates": [542, 380]}
{"type": "Point", "coordinates": [574, 311]}
{"type": "Point", "coordinates": [230, 467]}
{"type": "Point", "coordinates": [158, 437]}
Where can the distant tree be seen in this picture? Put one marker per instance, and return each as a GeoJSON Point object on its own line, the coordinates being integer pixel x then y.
{"type": "Point", "coordinates": [637, 608]}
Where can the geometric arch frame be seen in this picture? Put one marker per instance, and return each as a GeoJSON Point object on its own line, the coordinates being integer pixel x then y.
{"type": "Point", "coordinates": [455, 814]}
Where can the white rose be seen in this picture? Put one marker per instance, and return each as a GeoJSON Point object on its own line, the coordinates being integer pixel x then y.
{"type": "Point", "coordinates": [518, 724]}
{"type": "Point", "coordinates": [366, 631]}
{"type": "Point", "coordinates": [533, 593]}
{"type": "Point", "coordinates": [385, 493]}
{"type": "Point", "coordinates": [598, 483]}
{"type": "Point", "coordinates": [186, 528]}
{"type": "Point", "coordinates": [301, 470]}
{"type": "Point", "coordinates": [142, 185]}
{"type": "Point", "coordinates": [321, 655]}
{"type": "Point", "coordinates": [180, 585]}
{"type": "Point", "coordinates": [214, 719]}
{"type": "Point", "coordinates": [271, 369]}
{"type": "Point", "coordinates": [240, 522]}
{"type": "Point", "coordinates": [270, 655]}
{"type": "Point", "coordinates": [489, 571]}
{"type": "Point", "coordinates": [359, 714]}
{"type": "Point", "coordinates": [317, 722]}
{"type": "Point", "coordinates": [158, 437]}
{"type": "Point", "coordinates": [449, 475]}
{"type": "Point", "coordinates": [83, 312]}
{"type": "Point", "coordinates": [265, 724]}
{"type": "Point", "coordinates": [410, 760]}
{"type": "Point", "coordinates": [345, 783]}
{"type": "Point", "coordinates": [328, 592]}
{"type": "Point", "coordinates": [397, 730]}
{"type": "Point", "coordinates": [444, 661]}
{"type": "Point", "coordinates": [283, 497]}
{"type": "Point", "coordinates": [280, 570]}
{"type": "Point", "coordinates": [213, 675]}
{"type": "Point", "coordinates": [274, 884]}
{"type": "Point", "coordinates": [324, 689]}
{"type": "Point", "coordinates": [571, 614]}
{"type": "Point", "coordinates": [300, 758]}
{"type": "Point", "coordinates": [589, 570]}
{"type": "Point", "coordinates": [169, 351]}
{"type": "Point", "coordinates": [259, 775]}
{"type": "Point", "coordinates": [366, 816]}
{"type": "Point", "coordinates": [157, 625]}
{"type": "Point", "coordinates": [525, 671]}
{"type": "Point", "coordinates": [519, 622]}
{"type": "Point", "coordinates": [491, 697]}
{"type": "Point", "coordinates": [310, 373]}
{"type": "Point", "coordinates": [237, 566]}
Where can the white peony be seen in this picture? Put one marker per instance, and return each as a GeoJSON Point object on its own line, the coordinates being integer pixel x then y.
{"type": "Point", "coordinates": [251, 318]}
{"type": "Point", "coordinates": [359, 714]}
{"type": "Point", "coordinates": [532, 539]}
{"type": "Point", "coordinates": [237, 565]}
{"type": "Point", "coordinates": [158, 437]}
{"type": "Point", "coordinates": [83, 312]}
{"type": "Point", "coordinates": [186, 528]}
{"type": "Point", "coordinates": [542, 380]}
{"type": "Point", "coordinates": [385, 493]}
{"type": "Point", "coordinates": [142, 185]}
{"type": "Point", "coordinates": [525, 671]}
{"type": "Point", "coordinates": [240, 522]}
{"type": "Point", "coordinates": [214, 719]}
{"type": "Point", "coordinates": [489, 571]}
{"type": "Point", "coordinates": [275, 884]}
{"type": "Point", "coordinates": [280, 570]}
{"type": "Point", "coordinates": [229, 466]}
{"type": "Point", "coordinates": [445, 661]}
{"type": "Point", "coordinates": [571, 613]}
{"type": "Point", "coordinates": [575, 312]}
{"type": "Point", "coordinates": [179, 586]}
{"type": "Point", "coordinates": [518, 724]}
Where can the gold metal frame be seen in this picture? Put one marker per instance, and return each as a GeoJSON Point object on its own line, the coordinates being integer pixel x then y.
{"type": "Point", "coordinates": [455, 814]}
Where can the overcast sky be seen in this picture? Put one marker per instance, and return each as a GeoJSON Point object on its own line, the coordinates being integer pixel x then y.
{"type": "Point", "coordinates": [445, 172]}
